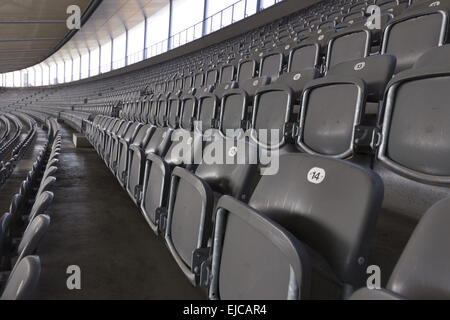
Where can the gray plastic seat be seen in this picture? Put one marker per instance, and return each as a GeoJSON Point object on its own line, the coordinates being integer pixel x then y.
{"type": "Point", "coordinates": [417, 30]}
{"type": "Point", "coordinates": [106, 144]}
{"type": "Point", "coordinates": [188, 229]}
{"type": "Point", "coordinates": [271, 115]}
{"type": "Point", "coordinates": [271, 64]}
{"type": "Point", "coordinates": [141, 138]}
{"type": "Point", "coordinates": [32, 236]}
{"type": "Point", "coordinates": [128, 128]}
{"type": "Point", "coordinates": [23, 280]}
{"type": "Point", "coordinates": [249, 249]}
{"type": "Point", "coordinates": [304, 56]}
{"type": "Point", "coordinates": [347, 46]}
{"type": "Point", "coordinates": [414, 154]}
{"type": "Point", "coordinates": [335, 107]}
{"type": "Point", "coordinates": [41, 204]}
{"type": "Point", "coordinates": [422, 272]}
{"type": "Point", "coordinates": [185, 144]}
{"type": "Point", "coordinates": [331, 206]}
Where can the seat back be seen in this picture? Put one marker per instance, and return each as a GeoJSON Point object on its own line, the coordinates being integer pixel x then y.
{"type": "Point", "coordinates": [23, 280]}
{"type": "Point", "coordinates": [33, 235]}
{"type": "Point", "coordinates": [249, 249]}
{"type": "Point", "coordinates": [347, 46]}
{"type": "Point", "coordinates": [422, 272]}
{"type": "Point", "coordinates": [401, 34]}
{"type": "Point", "coordinates": [333, 198]}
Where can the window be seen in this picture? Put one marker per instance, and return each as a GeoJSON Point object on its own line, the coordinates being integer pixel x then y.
{"type": "Point", "coordinates": [157, 31]}
{"type": "Point", "coordinates": [95, 62]}
{"type": "Point", "coordinates": [52, 70]}
{"type": "Point", "coordinates": [105, 59]}
{"type": "Point", "coordinates": [16, 77]}
{"type": "Point", "coordinates": [60, 75]}
{"type": "Point", "coordinates": [85, 65]}
{"type": "Point", "coordinates": [76, 68]}
{"type": "Point", "coordinates": [9, 79]}
{"type": "Point", "coordinates": [31, 74]}
{"type": "Point", "coordinates": [223, 13]}
{"type": "Point", "coordinates": [38, 70]}
{"type": "Point", "coordinates": [68, 72]}
{"type": "Point", "coordinates": [119, 51]}
{"type": "Point", "coordinates": [136, 43]}
{"type": "Point", "coordinates": [186, 21]}
{"type": "Point", "coordinates": [267, 3]}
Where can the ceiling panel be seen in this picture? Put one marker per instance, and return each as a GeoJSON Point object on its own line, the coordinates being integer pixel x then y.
{"type": "Point", "coordinates": [35, 25]}
{"type": "Point", "coordinates": [110, 19]}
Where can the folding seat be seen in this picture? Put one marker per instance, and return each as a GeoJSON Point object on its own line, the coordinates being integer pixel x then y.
{"type": "Point", "coordinates": [188, 228]}
{"type": "Point", "coordinates": [105, 137]}
{"type": "Point", "coordinates": [153, 109]}
{"type": "Point", "coordinates": [234, 111]}
{"type": "Point", "coordinates": [350, 19]}
{"type": "Point", "coordinates": [272, 117]}
{"type": "Point", "coordinates": [23, 280]}
{"type": "Point", "coordinates": [247, 79]}
{"type": "Point", "coordinates": [393, 6]}
{"type": "Point", "coordinates": [212, 77]}
{"type": "Point", "coordinates": [329, 205]}
{"type": "Point", "coordinates": [303, 66]}
{"type": "Point", "coordinates": [418, 29]}
{"type": "Point", "coordinates": [170, 85]}
{"type": "Point", "coordinates": [127, 131]}
{"type": "Point", "coordinates": [32, 236]}
{"type": "Point", "coordinates": [413, 156]}
{"type": "Point", "coordinates": [139, 109]}
{"type": "Point", "coordinates": [352, 44]}
{"type": "Point", "coordinates": [28, 244]}
{"type": "Point", "coordinates": [227, 76]}
{"type": "Point", "coordinates": [188, 110]}
{"type": "Point", "coordinates": [246, 70]}
{"type": "Point", "coordinates": [133, 110]}
{"type": "Point", "coordinates": [161, 109]}
{"type": "Point", "coordinates": [97, 134]}
{"type": "Point", "coordinates": [199, 80]}
{"type": "Point", "coordinates": [207, 111]}
{"type": "Point", "coordinates": [5, 238]}
{"type": "Point", "coordinates": [178, 84]}
{"type": "Point", "coordinates": [338, 110]}
{"type": "Point", "coordinates": [187, 80]}
{"type": "Point", "coordinates": [119, 126]}
{"type": "Point", "coordinates": [271, 64]}
{"type": "Point", "coordinates": [125, 114]}
{"type": "Point", "coordinates": [422, 272]}
{"type": "Point", "coordinates": [173, 110]}
{"type": "Point", "coordinates": [158, 169]}
{"type": "Point", "coordinates": [143, 134]}
{"type": "Point", "coordinates": [158, 144]}
{"type": "Point", "coordinates": [145, 109]}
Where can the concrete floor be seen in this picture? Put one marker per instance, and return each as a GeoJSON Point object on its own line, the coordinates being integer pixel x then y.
{"type": "Point", "coordinates": [95, 226]}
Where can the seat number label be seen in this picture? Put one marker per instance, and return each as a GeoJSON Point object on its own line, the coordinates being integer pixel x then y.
{"type": "Point", "coordinates": [316, 175]}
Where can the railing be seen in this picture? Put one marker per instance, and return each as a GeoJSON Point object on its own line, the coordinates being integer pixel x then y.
{"type": "Point", "coordinates": [225, 17]}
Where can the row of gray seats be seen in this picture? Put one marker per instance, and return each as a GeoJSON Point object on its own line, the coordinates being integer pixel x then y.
{"type": "Point", "coordinates": [429, 18]}
{"type": "Point", "coordinates": [7, 168]}
{"type": "Point", "coordinates": [156, 188]}
{"type": "Point", "coordinates": [22, 228]}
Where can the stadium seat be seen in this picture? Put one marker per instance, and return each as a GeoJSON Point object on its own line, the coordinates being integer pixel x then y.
{"type": "Point", "coordinates": [314, 199]}
{"type": "Point", "coordinates": [422, 270]}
